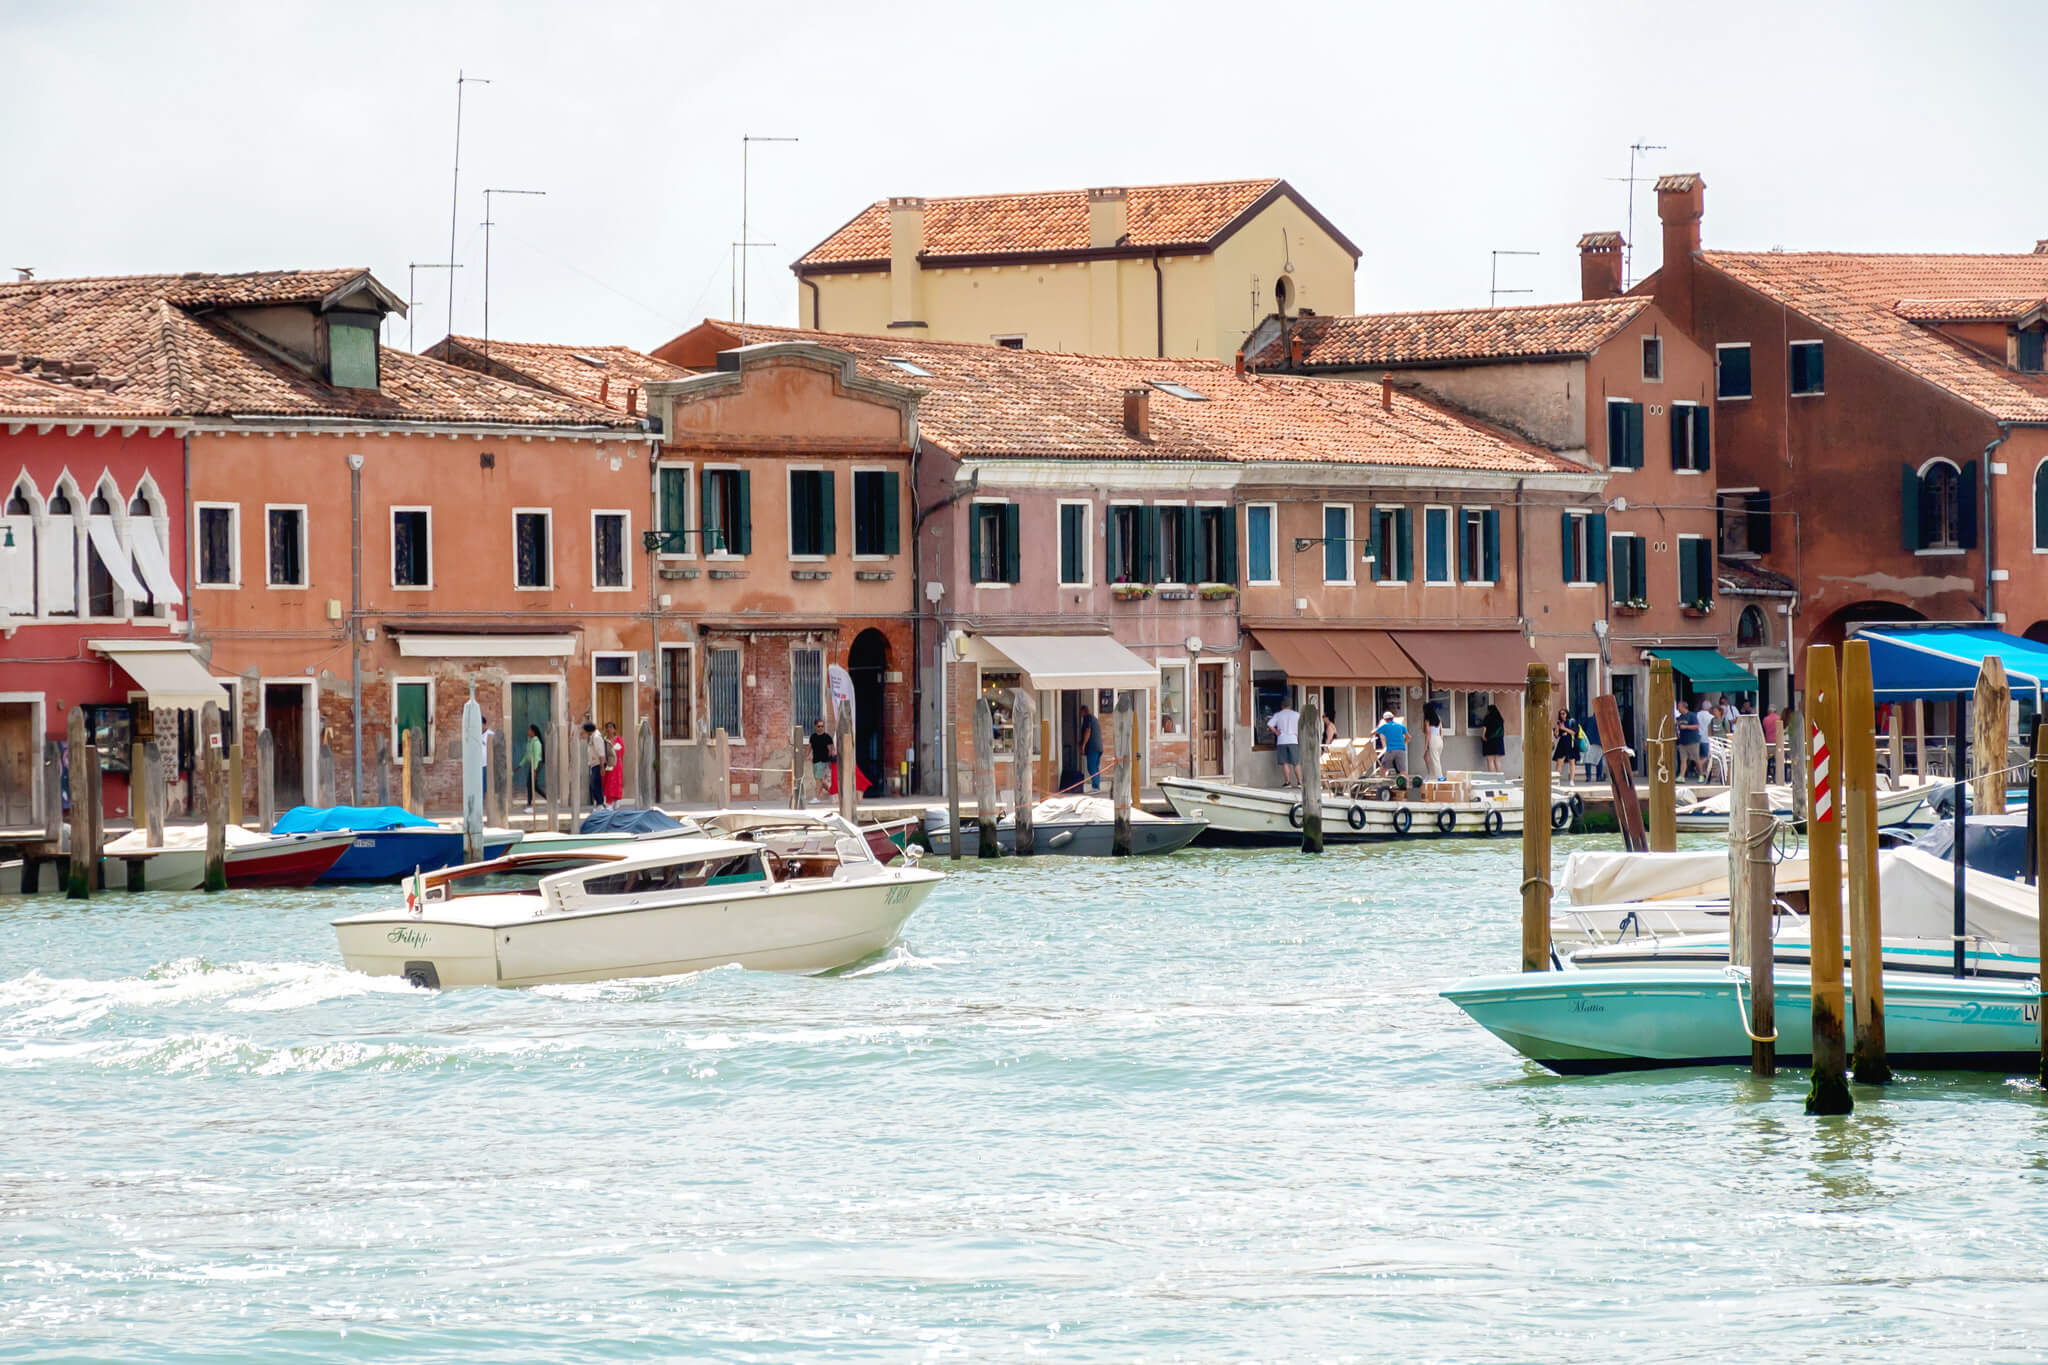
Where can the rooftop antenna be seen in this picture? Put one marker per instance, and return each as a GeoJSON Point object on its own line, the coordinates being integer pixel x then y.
{"type": "Point", "coordinates": [736, 274]}
{"type": "Point", "coordinates": [487, 266]}
{"type": "Point", "coordinates": [455, 187]}
{"type": "Point", "coordinates": [747, 141]}
{"type": "Point", "coordinates": [412, 301]}
{"type": "Point", "coordinates": [1628, 248]}
{"type": "Point", "coordinates": [1493, 289]}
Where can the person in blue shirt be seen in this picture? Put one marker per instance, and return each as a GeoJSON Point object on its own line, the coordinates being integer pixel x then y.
{"type": "Point", "coordinates": [1393, 737]}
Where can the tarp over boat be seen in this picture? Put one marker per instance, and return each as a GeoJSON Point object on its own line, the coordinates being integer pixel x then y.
{"type": "Point", "coordinates": [628, 820]}
{"type": "Point", "coordinates": [182, 838]}
{"type": "Point", "coordinates": [311, 819]}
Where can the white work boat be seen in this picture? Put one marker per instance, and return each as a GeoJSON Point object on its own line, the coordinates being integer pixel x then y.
{"type": "Point", "coordinates": [178, 861]}
{"type": "Point", "coordinates": [1273, 815]}
{"type": "Point", "coordinates": [792, 899]}
{"type": "Point", "coordinates": [1710, 816]}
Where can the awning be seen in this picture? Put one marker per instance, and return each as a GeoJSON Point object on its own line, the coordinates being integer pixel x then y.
{"type": "Point", "coordinates": [1341, 657]}
{"type": "Point", "coordinates": [156, 569]}
{"type": "Point", "coordinates": [1053, 661]}
{"type": "Point", "coordinates": [484, 646]}
{"type": "Point", "coordinates": [101, 529]}
{"type": "Point", "coordinates": [1933, 663]}
{"type": "Point", "coordinates": [1709, 670]}
{"type": "Point", "coordinates": [1475, 660]}
{"type": "Point", "coordinates": [169, 672]}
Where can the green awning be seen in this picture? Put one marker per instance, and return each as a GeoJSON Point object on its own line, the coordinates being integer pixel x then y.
{"type": "Point", "coordinates": [1709, 669]}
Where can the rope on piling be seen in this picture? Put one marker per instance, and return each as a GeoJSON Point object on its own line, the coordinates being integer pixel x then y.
{"type": "Point", "coordinates": [1742, 1010]}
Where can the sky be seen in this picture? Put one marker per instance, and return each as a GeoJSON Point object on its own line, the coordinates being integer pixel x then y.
{"type": "Point", "coordinates": [170, 136]}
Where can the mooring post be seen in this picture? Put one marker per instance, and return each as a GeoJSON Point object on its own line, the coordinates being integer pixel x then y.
{"type": "Point", "coordinates": [949, 728]}
{"type": "Point", "coordinates": [472, 781]}
{"type": "Point", "coordinates": [553, 765]}
{"type": "Point", "coordinates": [266, 780]}
{"type": "Point", "coordinates": [1536, 820]}
{"type": "Point", "coordinates": [138, 795]}
{"type": "Point", "coordinates": [1662, 767]}
{"type": "Point", "coordinates": [575, 741]}
{"type": "Point", "coordinates": [1957, 808]}
{"type": "Point", "coordinates": [78, 882]}
{"type": "Point", "coordinates": [846, 743]}
{"type": "Point", "coordinates": [987, 817]}
{"type": "Point", "coordinates": [324, 772]}
{"type": "Point", "coordinates": [407, 747]}
{"type": "Point", "coordinates": [1829, 1093]}
{"type": "Point", "coordinates": [153, 795]}
{"type": "Point", "coordinates": [799, 769]}
{"type": "Point", "coordinates": [53, 796]}
{"type": "Point", "coordinates": [1312, 774]}
{"type": "Point", "coordinates": [1920, 740]}
{"type": "Point", "coordinates": [1745, 779]}
{"type": "Point", "coordinates": [235, 781]}
{"type": "Point", "coordinates": [1866, 943]}
{"type": "Point", "coordinates": [1993, 710]}
{"type": "Point", "coordinates": [1796, 758]}
{"type": "Point", "coordinates": [216, 798]}
{"type": "Point", "coordinates": [1756, 909]}
{"type": "Point", "coordinates": [721, 761]}
{"type": "Point", "coordinates": [1621, 772]}
{"type": "Point", "coordinates": [1894, 753]}
{"type": "Point", "coordinates": [1023, 752]}
{"type": "Point", "coordinates": [1120, 779]}
{"type": "Point", "coordinates": [644, 788]}
{"type": "Point", "coordinates": [501, 777]}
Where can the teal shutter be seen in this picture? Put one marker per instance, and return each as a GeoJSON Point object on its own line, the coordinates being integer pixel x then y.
{"type": "Point", "coordinates": [1189, 570]}
{"type": "Point", "coordinates": [1617, 435]}
{"type": "Point", "coordinates": [1010, 542]}
{"type": "Point", "coordinates": [1688, 575]}
{"type": "Point", "coordinates": [743, 533]}
{"type": "Point", "coordinates": [1465, 546]}
{"type": "Point", "coordinates": [1404, 527]}
{"type": "Point", "coordinates": [1596, 547]}
{"type": "Point", "coordinates": [1635, 435]}
{"type": "Point", "coordinates": [675, 497]}
{"type": "Point", "coordinates": [1148, 540]}
{"type": "Point", "coordinates": [974, 542]}
{"type": "Point", "coordinates": [1492, 544]}
{"type": "Point", "coordinates": [1226, 537]}
{"type": "Point", "coordinates": [829, 513]}
{"type": "Point", "coordinates": [800, 513]}
{"type": "Point", "coordinates": [1909, 508]}
{"type": "Point", "coordinates": [1702, 433]}
{"type": "Point", "coordinates": [1618, 557]}
{"type": "Point", "coordinates": [1564, 548]}
{"type": "Point", "coordinates": [2041, 507]}
{"type": "Point", "coordinates": [1375, 551]}
{"type": "Point", "coordinates": [1110, 544]}
{"type": "Point", "coordinates": [708, 518]}
{"type": "Point", "coordinates": [1680, 434]}
{"type": "Point", "coordinates": [1967, 495]}
{"type": "Point", "coordinates": [892, 514]}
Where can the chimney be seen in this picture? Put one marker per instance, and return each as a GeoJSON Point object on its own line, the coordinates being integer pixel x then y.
{"type": "Point", "coordinates": [1600, 265]}
{"type": "Point", "coordinates": [1681, 201]}
{"type": "Point", "coordinates": [1240, 362]}
{"type": "Point", "coordinates": [906, 272]}
{"type": "Point", "coordinates": [604, 390]}
{"type": "Point", "coordinates": [1108, 220]}
{"type": "Point", "coordinates": [1387, 391]}
{"type": "Point", "coordinates": [1294, 350]}
{"type": "Point", "coordinates": [2041, 247]}
{"type": "Point", "coordinates": [1138, 412]}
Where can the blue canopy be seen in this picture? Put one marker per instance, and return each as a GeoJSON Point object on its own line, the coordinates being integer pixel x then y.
{"type": "Point", "coordinates": [1933, 662]}
{"type": "Point", "coordinates": [628, 820]}
{"type": "Point", "coordinates": [315, 819]}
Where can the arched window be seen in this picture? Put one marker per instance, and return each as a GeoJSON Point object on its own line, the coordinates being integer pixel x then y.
{"type": "Point", "coordinates": [2041, 506]}
{"type": "Point", "coordinates": [141, 521]}
{"type": "Point", "coordinates": [18, 562]}
{"type": "Point", "coordinates": [1941, 506]}
{"type": "Point", "coordinates": [60, 557]}
{"type": "Point", "coordinates": [1752, 629]}
{"type": "Point", "coordinates": [99, 579]}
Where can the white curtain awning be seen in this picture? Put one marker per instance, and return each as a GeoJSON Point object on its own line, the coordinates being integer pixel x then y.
{"type": "Point", "coordinates": [155, 565]}
{"type": "Point", "coordinates": [114, 557]}
{"type": "Point", "coordinates": [170, 673]}
{"type": "Point", "coordinates": [423, 646]}
{"type": "Point", "coordinates": [1061, 661]}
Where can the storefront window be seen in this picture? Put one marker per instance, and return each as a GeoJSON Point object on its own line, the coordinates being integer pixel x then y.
{"type": "Point", "coordinates": [111, 729]}
{"type": "Point", "coordinates": [1173, 699]}
{"type": "Point", "coordinates": [1475, 710]}
{"type": "Point", "coordinates": [997, 688]}
{"type": "Point", "coordinates": [1270, 693]}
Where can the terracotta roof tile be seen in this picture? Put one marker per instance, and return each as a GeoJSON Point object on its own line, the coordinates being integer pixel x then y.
{"type": "Point", "coordinates": [1680, 183]}
{"type": "Point", "coordinates": [1528, 332]}
{"type": "Point", "coordinates": [1966, 310]}
{"type": "Point", "coordinates": [34, 395]}
{"type": "Point", "coordinates": [1601, 239]}
{"type": "Point", "coordinates": [605, 375]}
{"type": "Point", "coordinates": [987, 401]}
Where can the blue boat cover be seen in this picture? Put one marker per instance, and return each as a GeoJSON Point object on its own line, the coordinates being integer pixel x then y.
{"type": "Point", "coordinates": [625, 820]}
{"type": "Point", "coordinates": [1991, 843]}
{"type": "Point", "coordinates": [315, 819]}
{"type": "Point", "coordinates": [1933, 662]}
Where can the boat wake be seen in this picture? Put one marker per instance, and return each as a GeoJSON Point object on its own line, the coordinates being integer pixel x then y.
{"type": "Point", "coordinates": [35, 1003]}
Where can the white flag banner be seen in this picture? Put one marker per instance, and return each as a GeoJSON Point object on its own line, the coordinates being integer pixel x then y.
{"type": "Point", "coordinates": [839, 683]}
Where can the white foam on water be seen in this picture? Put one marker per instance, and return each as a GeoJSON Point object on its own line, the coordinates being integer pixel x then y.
{"type": "Point", "coordinates": [59, 1004]}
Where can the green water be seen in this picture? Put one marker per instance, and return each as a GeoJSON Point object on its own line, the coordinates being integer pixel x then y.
{"type": "Point", "coordinates": [1199, 1107]}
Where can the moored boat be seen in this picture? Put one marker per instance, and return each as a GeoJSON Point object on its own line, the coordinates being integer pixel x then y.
{"type": "Point", "coordinates": [1080, 826]}
{"type": "Point", "coordinates": [390, 842]}
{"type": "Point", "coordinates": [179, 862]}
{"type": "Point", "coordinates": [1267, 815]}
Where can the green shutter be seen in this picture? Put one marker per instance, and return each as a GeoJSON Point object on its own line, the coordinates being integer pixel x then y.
{"type": "Point", "coordinates": [1464, 556]}
{"type": "Point", "coordinates": [1635, 435]}
{"type": "Point", "coordinates": [2040, 507]}
{"type": "Point", "coordinates": [1680, 433]}
{"type": "Point", "coordinates": [1760, 522]}
{"type": "Point", "coordinates": [1688, 574]}
{"type": "Point", "coordinates": [707, 507]}
{"type": "Point", "coordinates": [1404, 532]}
{"type": "Point", "coordinates": [1704, 549]}
{"type": "Point", "coordinates": [1909, 509]}
{"type": "Point", "coordinates": [1639, 569]}
{"type": "Point", "coordinates": [1148, 540]}
{"type": "Point", "coordinates": [1010, 574]}
{"type": "Point", "coordinates": [800, 527]}
{"type": "Point", "coordinates": [1617, 435]}
{"type": "Point", "coordinates": [1596, 547]}
{"type": "Point", "coordinates": [675, 494]}
{"type": "Point", "coordinates": [1702, 434]}
{"type": "Point", "coordinates": [1227, 536]}
{"type": "Point", "coordinates": [829, 513]}
{"type": "Point", "coordinates": [743, 534]}
{"type": "Point", "coordinates": [1374, 551]}
{"type": "Point", "coordinates": [974, 542]}
{"type": "Point", "coordinates": [1618, 558]}
{"type": "Point", "coordinates": [892, 514]}
{"type": "Point", "coordinates": [1109, 543]}
{"type": "Point", "coordinates": [1188, 541]}
{"type": "Point", "coordinates": [1492, 544]}
{"type": "Point", "coordinates": [1967, 494]}
{"type": "Point", "coordinates": [1564, 548]}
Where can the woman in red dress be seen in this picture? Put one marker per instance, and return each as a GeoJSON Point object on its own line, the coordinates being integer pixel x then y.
{"type": "Point", "coordinates": [615, 776]}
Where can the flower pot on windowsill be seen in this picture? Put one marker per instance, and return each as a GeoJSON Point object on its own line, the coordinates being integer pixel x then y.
{"type": "Point", "coordinates": [1627, 609]}
{"type": "Point", "coordinates": [1130, 592]}
{"type": "Point", "coordinates": [1696, 610]}
{"type": "Point", "coordinates": [1217, 592]}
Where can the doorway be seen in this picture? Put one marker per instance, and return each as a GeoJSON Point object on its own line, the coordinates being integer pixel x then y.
{"type": "Point", "coordinates": [533, 704]}
{"type": "Point", "coordinates": [21, 763]}
{"type": "Point", "coordinates": [868, 664]}
{"type": "Point", "coordinates": [611, 693]}
{"type": "Point", "coordinates": [1209, 720]}
{"type": "Point", "coordinates": [284, 715]}
{"type": "Point", "coordinates": [1624, 685]}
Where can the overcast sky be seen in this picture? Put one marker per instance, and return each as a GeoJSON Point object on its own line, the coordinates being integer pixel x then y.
{"type": "Point", "coordinates": [167, 136]}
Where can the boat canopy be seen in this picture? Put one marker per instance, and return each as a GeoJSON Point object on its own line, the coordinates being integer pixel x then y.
{"type": "Point", "coordinates": [1709, 669]}
{"type": "Point", "coordinates": [309, 819]}
{"type": "Point", "coordinates": [1338, 657]}
{"type": "Point", "coordinates": [1472, 660]}
{"type": "Point", "coordinates": [628, 820]}
{"type": "Point", "coordinates": [1934, 662]}
{"type": "Point", "coordinates": [1074, 661]}
{"type": "Point", "coordinates": [168, 671]}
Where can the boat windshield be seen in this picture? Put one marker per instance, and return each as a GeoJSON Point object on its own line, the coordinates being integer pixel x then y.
{"type": "Point", "coordinates": [680, 875]}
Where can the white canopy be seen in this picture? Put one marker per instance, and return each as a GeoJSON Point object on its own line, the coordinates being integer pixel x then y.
{"type": "Point", "coordinates": [113, 556]}
{"type": "Point", "coordinates": [1062, 661]}
{"type": "Point", "coordinates": [168, 671]}
{"type": "Point", "coordinates": [155, 566]}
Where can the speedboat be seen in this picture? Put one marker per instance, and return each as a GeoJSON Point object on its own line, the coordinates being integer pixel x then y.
{"type": "Point", "coordinates": [1082, 826]}
{"type": "Point", "coordinates": [390, 841]}
{"type": "Point", "coordinates": [603, 829]}
{"type": "Point", "coordinates": [179, 862]}
{"type": "Point", "coordinates": [1710, 816]}
{"type": "Point", "coordinates": [783, 899]}
{"type": "Point", "coordinates": [1273, 815]}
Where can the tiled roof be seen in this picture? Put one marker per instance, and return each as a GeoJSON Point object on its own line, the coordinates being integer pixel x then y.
{"type": "Point", "coordinates": [1856, 296]}
{"type": "Point", "coordinates": [1601, 239]}
{"type": "Point", "coordinates": [49, 396]}
{"type": "Point", "coordinates": [1966, 310]}
{"type": "Point", "coordinates": [1057, 220]}
{"type": "Point", "coordinates": [1748, 577]}
{"type": "Point", "coordinates": [143, 328]}
{"type": "Point", "coordinates": [1529, 332]}
{"type": "Point", "coordinates": [1680, 183]}
{"type": "Point", "coordinates": [987, 401]}
{"type": "Point", "coordinates": [606, 375]}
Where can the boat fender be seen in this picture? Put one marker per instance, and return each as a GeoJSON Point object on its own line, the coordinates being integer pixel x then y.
{"type": "Point", "coordinates": [1578, 805]}
{"type": "Point", "coordinates": [423, 975]}
{"type": "Point", "coordinates": [1403, 819]}
{"type": "Point", "coordinates": [1294, 815]}
{"type": "Point", "coordinates": [1355, 817]}
{"type": "Point", "coordinates": [1060, 840]}
{"type": "Point", "coordinates": [1494, 821]}
{"type": "Point", "coordinates": [1560, 814]}
{"type": "Point", "coordinates": [1446, 820]}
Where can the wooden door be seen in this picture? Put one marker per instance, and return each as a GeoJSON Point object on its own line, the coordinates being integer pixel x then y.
{"type": "Point", "coordinates": [21, 764]}
{"type": "Point", "coordinates": [284, 715]}
{"type": "Point", "coordinates": [1209, 720]}
{"type": "Point", "coordinates": [612, 708]}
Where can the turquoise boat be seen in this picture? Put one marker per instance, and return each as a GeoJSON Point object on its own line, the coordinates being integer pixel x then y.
{"type": "Point", "coordinates": [1623, 1019]}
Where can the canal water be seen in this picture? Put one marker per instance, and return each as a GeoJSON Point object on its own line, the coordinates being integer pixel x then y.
{"type": "Point", "coordinates": [1199, 1107]}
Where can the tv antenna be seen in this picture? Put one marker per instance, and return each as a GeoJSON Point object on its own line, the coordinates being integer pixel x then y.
{"type": "Point", "coordinates": [487, 225]}
{"type": "Point", "coordinates": [1628, 248]}
{"type": "Point", "coordinates": [1493, 289]}
{"type": "Point", "coordinates": [747, 141]}
{"type": "Point", "coordinates": [455, 186]}
{"type": "Point", "coordinates": [736, 248]}
{"type": "Point", "coordinates": [412, 301]}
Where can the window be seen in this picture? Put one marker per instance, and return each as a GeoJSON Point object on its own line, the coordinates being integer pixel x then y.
{"type": "Point", "coordinates": [1584, 536]}
{"type": "Point", "coordinates": [1179, 390]}
{"type": "Point", "coordinates": [412, 712]}
{"type": "Point", "coordinates": [352, 352]}
{"type": "Point", "coordinates": [1475, 711]}
{"type": "Point", "coordinates": [1073, 544]}
{"type": "Point", "coordinates": [141, 518]}
{"type": "Point", "coordinates": [1337, 543]}
{"type": "Point", "coordinates": [1390, 544]}
{"type": "Point", "coordinates": [1479, 544]}
{"type": "Point", "coordinates": [725, 504]}
{"type": "Point", "coordinates": [722, 687]}
{"type": "Point", "coordinates": [1695, 572]}
{"type": "Point", "coordinates": [57, 569]}
{"type": "Point", "coordinates": [1129, 546]}
{"type": "Point", "coordinates": [907, 366]}
{"type": "Point", "coordinates": [1629, 566]}
{"type": "Point", "coordinates": [1653, 358]}
{"type": "Point", "coordinates": [1938, 507]}
{"type": "Point", "coordinates": [1752, 630]}
{"type": "Point", "coordinates": [1173, 699]}
{"type": "Point", "coordinates": [812, 530]}
{"type": "Point", "coordinates": [992, 542]}
{"type": "Point", "coordinates": [807, 688]}
{"type": "Point", "coordinates": [99, 578]}
{"type": "Point", "coordinates": [1215, 545]}
{"type": "Point", "coordinates": [1258, 540]}
{"type": "Point", "coordinates": [678, 694]}
{"type": "Point", "coordinates": [533, 555]}
{"type": "Point", "coordinates": [1270, 693]}
{"type": "Point", "coordinates": [610, 533]}
{"type": "Point", "coordinates": [412, 561]}
{"type": "Point", "coordinates": [285, 546]}
{"type": "Point", "coordinates": [2030, 350]}
{"type": "Point", "coordinates": [1012, 343]}
{"type": "Point", "coordinates": [998, 689]}
{"type": "Point", "coordinates": [1436, 544]}
{"type": "Point", "coordinates": [1624, 434]}
{"type": "Point", "coordinates": [1731, 370]}
{"type": "Point", "coordinates": [2040, 508]}
{"type": "Point", "coordinates": [1690, 443]}
{"type": "Point", "coordinates": [672, 509]}
{"type": "Point", "coordinates": [1176, 544]}
{"type": "Point", "coordinates": [877, 513]}
{"type": "Point", "coordinates": [1806, 368]}
{"type": "Point", "coordinates": [1745, 522]}
{"type": "Point", "coordinates": [19, 565]}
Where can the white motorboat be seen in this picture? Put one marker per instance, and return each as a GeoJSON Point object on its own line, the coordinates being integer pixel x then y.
{"type": "Point", "coordinates": [785, 896]}
{"type": "Point", "coordinates": [1270, 815]}
{"type": "Point", "coordinates": [1710, 816]}
{"type": "Point", "coordinates": [178, 863]}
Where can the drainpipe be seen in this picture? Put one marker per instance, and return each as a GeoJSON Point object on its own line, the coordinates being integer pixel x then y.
{"type": "Point", "coordinates": [918, 604]}
{"type": "Point", "coordinates": [2004, 435]}
{"type": "Point", "coordinates": [817, 324]}
{"type": "Point", "coordinates": [1521, 562]}
{"type": "Point", "coordinates": [355, 609]}
{"type": "Point", "coordinates": [1158, 302]}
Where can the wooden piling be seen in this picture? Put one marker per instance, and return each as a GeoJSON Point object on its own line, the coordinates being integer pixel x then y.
{"type": "Point", "coordinates": [988, 843]}
{"type": "Point", "coordinates": [1859, 799]}
{"type": "Point", "coordinates": [472, 781]}
{"type": "Point", "coordinates": [1920, 739]}
{"type": "Point", "coordinates": [1120, 779]}
{"type": "Point", "coordinates": [1795, 734]}
{"type": "Point", "coordinates": [323, 771]}
{"type": "Point", "coordinates": [1662, 765]}
{"type": "Point", "coordinates": [721, 759]}
{"type": "Point", "coordinates": [1312, 774]}
{"type": "Point", "coordinates": [1536, 820]}
{"type": "Point", "coordinates": [1755, 909]}
{"type": "Point", "coordinates": [644, 753]}
{"type": "Point", "coordinates": [1830, 1090]}
{"type": "Point", "coordinates": [799, 769]}
{"type": "Point", "coordinates": [552, 767]}
{"type": "Point", "coordinates": [53, 795]}
{"type": "Point", "coordinates": [266, 780]}
{"type": "Point", "coordinates": [1023, 752]}
{"type": "Point", "coordinates": [216, 789]}
{"type": "Point", "coordinates": [1895, 758]}
{"type": "Point", "coordinates": [846, 743]}
{"type": "Point", "coordinates": [78, 882]}
{"type": "Point", "coordinates": [407, 748]}
{"type": "Point", "coordinates": [1745, 779]}
{"type": "Point", "coordinates": [575, 741]}
{"type": "Point", "coordinates": [950, 745]}
{"type": "Point", "coordinates": [1621, 772]}
{"type": "Point", "coordinates": [1993, 716]}
{"type": "Point", "coordinates": [137, 778]}
{"type": "Point", "coordinates": [152, 795]}
{"type": "Point", "coordinates": [235, 782]}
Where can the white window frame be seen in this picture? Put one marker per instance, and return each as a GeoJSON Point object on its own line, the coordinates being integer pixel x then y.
{"type": "Point", "coordinates": [1109, 511]}
{"type": "Point", "coordinates": [1642, 546]}
{"type": "Point", "coordinates": [973, 510]}
{"type": "Point", "coordinates": [1920, 476]}
{"type": "Point", "coordinates": [740, 702]}
{"type": "Point", "coordinates": [1607, 437]}
{"type": "Point", "coordinates": [305, 546]}
{"type": "Point", "coordinates": [1692, 470]}
{"type": "Point", "coordinates": [234, 511]}
{"type": "Point", "coordinates": [1272, 510]}
{"type": "Point", "coordinates": [1158, 550]}
{"type": "Point", "coordinates": [1678, 543]}
{"type": "Point", "coordinates": [1585, 562]}
{"type": "Point", "coordinates": [1394, 551]}
{"type": "Point", "coordinates": [625, 549]}
{"type": "Point", "coordinates": [1791, 392]}
{"type": "Point", "coordinates": [789, 509]}
{"type": "Point", "coordinates": [1564, 694]}
{"type": "Point", "coordinates": [1458, 543]}
{"type": "Point", "coordinates": [1646, 339]}
{"type": "Point", "coordinates": [1087, 507]}
{"type": "Point", "coordinates": [1350, 510]}
{"type": "Point", "coordinates": [433, 721]}
{"type": "Point", "coordinates": [853, 511]}
{"type": "Point", "coordinates": [1721, 346]}
{"type": "Point", "coordinates": [690, 499]}
{"type": "Point", "coordinates": [1450, 578]}
{"type": "Point", "coordinates": [1195, 510]}
{"type": "Point", "coordinates": [2039, 470]}
{"type": "Point", "coordinates": [709, 553]}
{"type": "Point", "coordinates": [1182, 665]}
{"type": "Point", "coordinates": [690, 675]}
{"type": "Point", "coordinates": [549, 513]}
{"type": "Point", "coordinates": [391, 545]}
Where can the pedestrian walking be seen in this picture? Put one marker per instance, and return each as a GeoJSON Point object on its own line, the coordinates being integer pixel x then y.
{"type": "Point", "coordinates": [1091, 748]}
{"type": "Point", "coordinates": [823, 751]}
{"type": "Point", "coordinates": [534, 761]}
{"type": "Point", "coordinates": [615, 771]}
{"type": "Point", "coordinates": [595, 755]}
{"type": "Point", "coordinates": [1433, 742]}
{"type": "Point", "coordinates": [1564, 745]}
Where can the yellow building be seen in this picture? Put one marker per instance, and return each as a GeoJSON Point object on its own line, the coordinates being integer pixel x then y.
{"type": "Point", "coordinates": [1182, 270]}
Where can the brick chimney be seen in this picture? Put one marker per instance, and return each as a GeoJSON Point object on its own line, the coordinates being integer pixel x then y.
{"type": "Point", "coordinates": [1387, 390]}
{"type": "Point", "coordinates": [2041, 247]}
{"type": "Point", "coordinates": [1681, 201]}
{"type": "Point", "coordinates": [1108, 218]}
{"type": "Point", "coordinates": [1600, 265]}
{"type": "Point", "coordinates": [906, 272]}
{"type": "Point", "coordinates": [1138, 412]}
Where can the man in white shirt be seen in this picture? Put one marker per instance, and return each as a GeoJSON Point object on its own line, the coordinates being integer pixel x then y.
{"type": "Point", "coordinates": [1286, 723]}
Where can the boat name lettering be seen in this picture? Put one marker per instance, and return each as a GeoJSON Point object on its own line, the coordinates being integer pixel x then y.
{"type": "Point", "coordinates": [411, 938]}
{"type": "Point", "coordinates": [897, 895]}
{"type": "Point", "coordinates": [1976, 1011]}
{"type": "Point", "coordinates": [1587, 1007]}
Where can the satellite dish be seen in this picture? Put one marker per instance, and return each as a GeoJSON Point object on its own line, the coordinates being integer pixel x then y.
{"type": "Point", "coordinates": [1194, 644]}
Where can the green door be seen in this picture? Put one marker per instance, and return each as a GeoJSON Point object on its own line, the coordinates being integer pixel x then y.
{"type": "Point", "coordinates": [532, 704]}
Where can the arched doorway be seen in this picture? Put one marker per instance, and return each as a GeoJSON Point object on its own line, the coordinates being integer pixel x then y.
{"type": "Point", "coordinates": [868, 664]}
{"type": "Point", "coordinates": [2038, 632]}
{"type": "Point", "coordinates": [1836, 626]}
